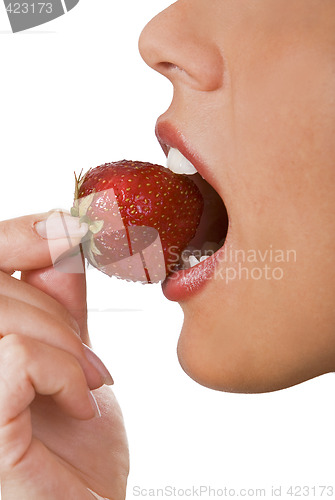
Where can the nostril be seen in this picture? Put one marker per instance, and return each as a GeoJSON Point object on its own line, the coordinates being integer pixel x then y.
{"type": "Point", "coordinates": [167, 66]}
{"type": "Point", "coordinates": [172, 71]}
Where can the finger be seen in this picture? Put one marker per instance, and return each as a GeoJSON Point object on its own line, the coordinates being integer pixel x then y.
{"type": "Point", "coordinates": [40, 325]}
{"type": "Point", "coordinates": [28, 366]}
{"type": "Point", "coordinates": [20, 290]}
{"type": "Point", "coordinates": [37, 241]}
{"type": "Point", "coordinates": [68, 289]}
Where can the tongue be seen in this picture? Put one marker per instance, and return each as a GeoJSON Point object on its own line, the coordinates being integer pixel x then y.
{"type": "Point", "coordinates": [214, 221]}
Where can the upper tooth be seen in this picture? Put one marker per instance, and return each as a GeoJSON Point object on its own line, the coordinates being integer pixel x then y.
{"type": "Point", "coordinates": [178, 163]}
{"type": "Point", "coordinates": [210, 246]}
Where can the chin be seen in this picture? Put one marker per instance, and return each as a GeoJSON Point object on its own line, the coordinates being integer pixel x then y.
{"type": "Point", "coordinates": [217, 359]}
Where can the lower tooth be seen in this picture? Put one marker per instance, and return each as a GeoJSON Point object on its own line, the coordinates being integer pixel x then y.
{"type": "Point", "coordinates": [193, 261]}
{"type": "Point", "coordinates": [184, 259]}
{"type": "Point", "coordinates": [190, 256]}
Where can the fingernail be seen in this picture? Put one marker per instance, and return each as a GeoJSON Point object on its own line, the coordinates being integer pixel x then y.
{"type": "Point", "coordinates": [94, 404]}
{"type": "Point", "coordinates": [60, 225]}
{"type": "Point", "coordinates": [98, 364]}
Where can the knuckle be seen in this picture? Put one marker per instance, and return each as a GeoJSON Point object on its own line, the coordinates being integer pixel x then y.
{"type": "Point", "coordinates": [6, 244]}
{"type": "Point", "coordinates": [14, 350]}
{"type": "Point", "coordinates": [15, 438]}
{"type": "Point", "coordinates": [5, 232]}
{"type": "Point", "coordinates": [16, 390]}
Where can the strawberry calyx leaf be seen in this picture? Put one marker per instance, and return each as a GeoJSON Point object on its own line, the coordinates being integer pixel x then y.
{"type": "Point", "coordinates": [79, 209]}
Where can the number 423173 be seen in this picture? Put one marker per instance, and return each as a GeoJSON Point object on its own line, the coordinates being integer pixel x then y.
{"type": "Point", "coordinates": [29, 8]}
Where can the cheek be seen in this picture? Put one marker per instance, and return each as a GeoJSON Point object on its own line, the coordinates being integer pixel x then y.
{"type": "Point", "coordinates": [285, 169]}
{"type": "Point", "coordinates": [284, 129]}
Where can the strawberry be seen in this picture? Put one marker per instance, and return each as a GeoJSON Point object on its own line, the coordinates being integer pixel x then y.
{"type": "Point", "coordinates": [141, 217]}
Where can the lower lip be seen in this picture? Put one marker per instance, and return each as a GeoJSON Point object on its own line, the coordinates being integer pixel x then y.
{"type": "Point", "coordinates": [183, 285]}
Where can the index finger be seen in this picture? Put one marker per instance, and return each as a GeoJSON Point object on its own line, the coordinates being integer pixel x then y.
{"type": "Point", "coordinates": [35, 241]}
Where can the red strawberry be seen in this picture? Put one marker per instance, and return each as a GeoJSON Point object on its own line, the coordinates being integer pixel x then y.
{"type": "Point", "coordinates": [141, 217]}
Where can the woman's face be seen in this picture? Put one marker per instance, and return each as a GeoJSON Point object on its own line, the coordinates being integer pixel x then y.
{"type": "Point", "coordinates": [254, 110]}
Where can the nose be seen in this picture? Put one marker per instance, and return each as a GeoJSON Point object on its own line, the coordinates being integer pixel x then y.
{"type": "Point", "coordinates": [179, 44]}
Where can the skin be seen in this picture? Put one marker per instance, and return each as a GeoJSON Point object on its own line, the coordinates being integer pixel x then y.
{"type": "Point", "coordinates": [254, 96]}
{"type": "Point", "coordinates": [51, 443]}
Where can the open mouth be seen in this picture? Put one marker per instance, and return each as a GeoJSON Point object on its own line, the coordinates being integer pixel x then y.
{"type": "Point", "coordinates": [213, 228]}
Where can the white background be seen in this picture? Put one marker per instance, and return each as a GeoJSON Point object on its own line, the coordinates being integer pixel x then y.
{"type": "Point", "coordinates": [75, 93]}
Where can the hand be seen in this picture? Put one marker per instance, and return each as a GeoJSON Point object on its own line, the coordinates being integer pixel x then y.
{"type": "Point", "coordinates": [52, 444]}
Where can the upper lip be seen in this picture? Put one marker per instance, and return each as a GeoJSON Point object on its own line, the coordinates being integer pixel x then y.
{"type": "Point", "coordinates": [170, 137]}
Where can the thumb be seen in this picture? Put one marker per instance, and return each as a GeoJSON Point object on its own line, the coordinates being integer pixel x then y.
{"type": "Point", "coordinates": [69, 289]}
